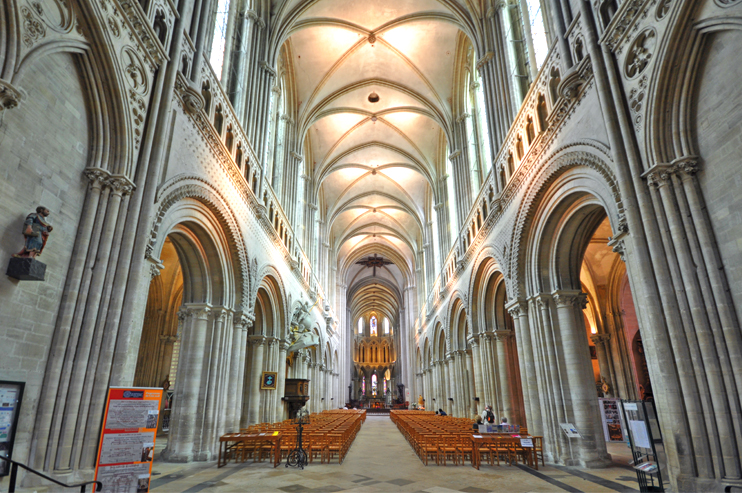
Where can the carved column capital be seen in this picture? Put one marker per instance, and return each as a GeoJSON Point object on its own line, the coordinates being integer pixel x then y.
{"type": "Point", "coordinates": [10, 96]}
{"type": "Point", "coordinates": [96, 176]}
{"type": "Point", "coordinates": [659, 175]}
{"type": "Point", "coordinates": [503, 335]}
{"type": "Point", "coordinates": [517, 307]}
{"type": "Point", "coordinates": [566, 298]}
{"type": "Point", "coordinates": [600, 339]}
{"type": "Point", "coordinates": [256, 340]}
{"type": "Point", "coordinates": [199, 312]}
{"type": "Point", "coordinates": [686, 166]}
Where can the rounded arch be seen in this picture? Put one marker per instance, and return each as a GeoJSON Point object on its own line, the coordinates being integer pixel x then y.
{"type": "Point", "coordinates": [569, 170]}
{"type": "Point", "coordinates": [487, 274]}
{"type": "Point", "coordinates": [182, 189]}
{"type": "Point", "coordinates": [270, 304]}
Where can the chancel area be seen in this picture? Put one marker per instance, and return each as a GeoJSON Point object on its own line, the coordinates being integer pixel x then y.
{"type": "Point", "coordinates": [401, 245]}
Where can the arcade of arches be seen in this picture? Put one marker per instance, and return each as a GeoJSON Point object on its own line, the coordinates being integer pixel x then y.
{"type": "Point", "coordinates": [527, 204]}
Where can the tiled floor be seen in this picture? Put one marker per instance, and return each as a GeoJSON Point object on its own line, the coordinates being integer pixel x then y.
{"type": "Point", "coordinates": [381, 460]}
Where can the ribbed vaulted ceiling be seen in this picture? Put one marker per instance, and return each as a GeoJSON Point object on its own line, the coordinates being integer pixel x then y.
{"type": "Point", "coordinates": [374, 164]}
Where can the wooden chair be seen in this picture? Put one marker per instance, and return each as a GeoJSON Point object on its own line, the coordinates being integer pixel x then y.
{"type": "Point", "coordinates": [429, 447]}
{"type": "Point", "coordinates": [464, 448]}
{"type": "Point", "coordinates": [538, 450]}
{"type": "Point", "coordinates": [316, 447]}
{"type": "Point", "coordinates": [335, 447]}
{"type": "Point", "coordinates": [447, 447]}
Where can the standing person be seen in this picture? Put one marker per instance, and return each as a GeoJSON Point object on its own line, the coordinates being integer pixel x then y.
{"type": "Point", "coordinates": [488, 417]}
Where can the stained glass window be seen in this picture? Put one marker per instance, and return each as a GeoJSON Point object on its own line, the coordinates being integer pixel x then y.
{"type": "Point", "coordinates": [373, 384]}
{"type": "Point", "coordinates": [385, 386]}
{"type": "Point", "coordinates": [373, 326]}
{"type": "Point", "coordinates": [363, 385]}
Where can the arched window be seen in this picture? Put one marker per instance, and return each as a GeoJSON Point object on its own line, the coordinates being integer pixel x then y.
{"type": "Point", "coordinates": [385, 386]}
{"type": "Point", "coordinates": [220, 35]}
{"type": "Point", "coordinates": [363, 385]}
{"type": "Point", "coordinates": [373, 385]}
{"type": "Point", "coordinates": [373, 326]}
{"type": "Point", "coordinates": [386, 325]}
{"type": "Point", "coordinates": [360, 325]}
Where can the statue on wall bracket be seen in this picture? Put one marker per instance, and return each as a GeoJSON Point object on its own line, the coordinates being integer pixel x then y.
{"type": "Point", "coordinates": [301, 335]}
{"type": "Point", "coordinates": [36, 229]}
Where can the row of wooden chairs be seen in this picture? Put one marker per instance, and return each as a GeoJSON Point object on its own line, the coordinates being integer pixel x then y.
{"type": "Point", "coordinates": [328, 435]}
{"type": "Point", "coordinates": [449, 440]}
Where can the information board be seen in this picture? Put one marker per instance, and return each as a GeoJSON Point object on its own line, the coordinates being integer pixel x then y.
{"type": "Point", "coordinates": [610, 413]}
{"type": "Point", "coordinates": [127, 442]}
{"type": "Point", "coordinates": [11, 396]}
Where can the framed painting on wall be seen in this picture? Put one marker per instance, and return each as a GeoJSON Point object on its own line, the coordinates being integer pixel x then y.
{"type": "Point", "coordinates": [268, 380]}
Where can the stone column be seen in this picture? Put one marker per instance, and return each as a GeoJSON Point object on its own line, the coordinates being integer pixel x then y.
{"type": "Point", "coordinates": [281, 381]}
{"type": "Point", "coordinates": [236, 374]}
{"type": "Point", "coordinates": [258, 347]}
{"type": "Point", "coordinates": [502, 337]}
{"type": "Point", "coordinates": [448, 384]}
{"type": "Point", "coordinates": [478, 378]}
{"type": "Point", "coordinates": [531, 399]}
{"type": "Point", "coordinates": [188, 385]}
{"type": "Point", "coordinates": [601, 341]}
{"type": "Point", "coordinates": [471, 405]}
{"type": "Point", "coordinates": [490, 375]}
{"type": "Point", "coordinates": [210, 395]}
{"type": "Point", "coordinates": [581, 384]}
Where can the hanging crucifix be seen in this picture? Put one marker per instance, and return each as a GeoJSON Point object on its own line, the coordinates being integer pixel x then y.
{"type": "Point", "coordinates": [375, 262]}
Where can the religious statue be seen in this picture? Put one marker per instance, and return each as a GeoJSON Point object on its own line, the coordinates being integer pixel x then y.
{"type": "Point", "coordinates": [301, 335]}
{"type": "Point", "coordinates": [604, 387]}
{"type": "Point", "coordinates": [36, 229]}
{"type": "Point", "coordinates": [400, 393]}
{"type": "Point", "coordinates": [420, 402]}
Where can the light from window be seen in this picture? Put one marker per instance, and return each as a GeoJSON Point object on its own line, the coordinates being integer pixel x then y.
{"type": "Point", "coordinates": [220, 36]}
{"type": "Point", "coordinates": [538, 32]}
{"type": "Point", "coordinates": [373, 385]}
{"type": "Point", "coordinates": [385, 386]}
{"type": "Point", "coordinates": [360, 326]}
{"type": "Point", "coordinates": [373, 326]}
{"type": "Point", "coordinates": [363, 385]}
{"type": "Point", "coordinates": [386, 326]}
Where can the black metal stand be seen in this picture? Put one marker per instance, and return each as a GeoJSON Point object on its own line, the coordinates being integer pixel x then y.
{"type": "Point", "coordinates": [298, 457]}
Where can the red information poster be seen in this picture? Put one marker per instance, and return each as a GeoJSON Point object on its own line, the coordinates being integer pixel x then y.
{"type": "Point", "coordinates": [127, 443]}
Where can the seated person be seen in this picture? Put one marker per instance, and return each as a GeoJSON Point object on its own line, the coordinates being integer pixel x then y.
{"type": "Point", "coordinates": [441, 412]}
{"type": "Point", "coordinates": [477, 422]}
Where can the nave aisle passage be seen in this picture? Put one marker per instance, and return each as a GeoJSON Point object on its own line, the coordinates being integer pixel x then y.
{"type": "Point", "coordinates": [380, 460]}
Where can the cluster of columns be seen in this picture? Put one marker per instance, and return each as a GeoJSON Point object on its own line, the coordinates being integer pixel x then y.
{"type": "Point", "coordinates": [483, 375]}
{"type": "Point", "coordinates": [80, 360]}
{"type": "Point", "coordinates": [212, 353]}
{"type": "Point", "coordinates": [558, 382]}
{"type": "Point", "coordinates": [323, 382]}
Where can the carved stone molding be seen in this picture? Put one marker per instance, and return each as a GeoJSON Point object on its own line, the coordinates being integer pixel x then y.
{"type": "Point", "coordinates": [640, 53]}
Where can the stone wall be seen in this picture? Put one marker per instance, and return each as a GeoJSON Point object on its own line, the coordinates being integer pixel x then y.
{"type": "Point", "coordinates": [44, 148]}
